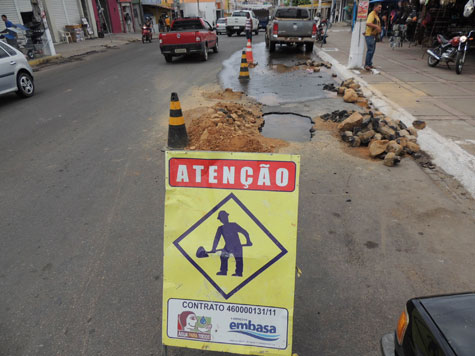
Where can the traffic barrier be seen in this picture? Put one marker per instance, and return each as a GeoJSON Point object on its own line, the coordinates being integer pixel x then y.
{"type": "Point", "coordinates": [249, 58]}
{"type": "Point", "coordinates": [244, 71]}
{"type": "Point", "coordinates": [177, 136]}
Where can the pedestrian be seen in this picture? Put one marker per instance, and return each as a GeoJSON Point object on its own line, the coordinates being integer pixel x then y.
{"type": "Point", "coordinates": [9, 35]}
{"type": "Point", "coordinates": [128, 21]}
{"type": "Point", "coordinates": [167, 23]}
{"type": "Point", "coordinates": [248, 26]}
{"type": "Point", "coordinates": [373, 29]}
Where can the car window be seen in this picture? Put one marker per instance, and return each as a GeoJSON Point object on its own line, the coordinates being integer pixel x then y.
{"type": "Point", "coordinates": [10, 51]}
{"type": "Point", "coordinates": [184, 25]}
{"type": "Point", "coordinates": [209, 26]}
{"type": "Point", "coordinates": [292, 13]}
{"type": "Point", "coordinates": [239, 14]}
{"type": "Point", "coordinates": [3, 54]}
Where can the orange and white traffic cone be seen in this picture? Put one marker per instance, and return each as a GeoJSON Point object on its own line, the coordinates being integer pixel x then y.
{"type": "Point", "coordinates": [249, 58]}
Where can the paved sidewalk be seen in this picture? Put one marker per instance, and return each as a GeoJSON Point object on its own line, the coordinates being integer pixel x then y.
{"type": "Point", "coordinates": [97, 44]}
{"type": "Point", "coordinates": [445, 100]}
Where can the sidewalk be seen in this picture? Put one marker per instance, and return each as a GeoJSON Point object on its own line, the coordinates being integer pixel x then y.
{"type": "Point", "coordinates": [97, 44]}
{"type": "Point", "coordinates": [66, 50]}
{"type": "Point", "coordinates": [445, 100]}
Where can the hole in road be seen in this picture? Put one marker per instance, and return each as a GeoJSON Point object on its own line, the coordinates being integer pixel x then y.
{"type": "Point", "coordinates": [287, 126]}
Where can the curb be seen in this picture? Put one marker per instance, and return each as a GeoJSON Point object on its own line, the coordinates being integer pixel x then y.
{"type": "Point", "coordinates": [43, 60]}
{"type": "Point", "coordinates": [446, 154]}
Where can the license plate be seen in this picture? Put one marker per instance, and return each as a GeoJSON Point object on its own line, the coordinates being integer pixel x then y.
{"type": "Point", "coordinates": [236, 27]}
{"type": "Point", "coordinates": [180, 50]}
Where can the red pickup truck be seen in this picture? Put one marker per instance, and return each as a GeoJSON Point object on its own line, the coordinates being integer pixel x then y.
{"type": "Point", "coordinates": [188, 36]}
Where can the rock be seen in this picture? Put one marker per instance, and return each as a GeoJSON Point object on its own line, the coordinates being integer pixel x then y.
{"type": "Point", "coordinates": [419, 124]}
{"type": "Point", "coordinates": [412, 147]}
{"type": "Point", "coordinates": [376, 147]}
{"type": "Point", "coordinates": [412, 138]}
{"type": "Point", "coordinates": [348, 82]}
{"type": "Point", "coordinates": [412, 131]}
{"type": "Point", "coordinates": [204, 136]}
{"type": "Point", "coordinates": [402, 141]}
{"type": "Point", "coordinates": [403, 133]}
{"type": "Point", "coordinates": [386, 131]}
{"type": "Point", "coordinates": [341, 90]}
{"type": "Point", "coordinates": [402, 125]}
{"type": "Point", "coordinates": [391, 159]}
{"type": "Point", "coordinates": [354, 120]}
{"type": "Point", "coordinates": [355, 86]}
{"type": "Point", "coordinates": [334, 75]}
{"type": "Point", "coordinates": [362, 101]}
{"type": "Point", "coordinates": [350, 96]}
{"type": "Point", "coordinates": [365, 137]}
{"type": "Point", "coordinates": [355, 142]}
{"type": "Point", "coordinates": [378, 136]}
{"type": "Point", "coordinates": [346, 136]}
{"type": "Point", "coordinates": [393, 146]}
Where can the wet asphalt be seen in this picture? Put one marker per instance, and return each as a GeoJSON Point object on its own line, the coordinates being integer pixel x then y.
{"type": "Point", "coordinates": [82, 190]}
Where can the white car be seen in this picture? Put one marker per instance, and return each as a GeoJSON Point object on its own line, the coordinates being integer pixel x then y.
{"type": "Point", "coordinates": [16, 74]}
{"type": "Point", "coordinates": [221, 26]}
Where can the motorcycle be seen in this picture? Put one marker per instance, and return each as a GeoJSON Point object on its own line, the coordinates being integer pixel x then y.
{"type": "Point", "coordinates": [453, 50]}
{"type": "Point", "coordinates": [146, 34]}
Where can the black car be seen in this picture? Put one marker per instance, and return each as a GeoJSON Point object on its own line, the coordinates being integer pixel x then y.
{"type": "Point", "coordinates": [437, 325]}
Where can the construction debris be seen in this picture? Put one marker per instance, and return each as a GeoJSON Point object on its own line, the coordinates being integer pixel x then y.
{"type": "Point", "coordinates": [231, 127]}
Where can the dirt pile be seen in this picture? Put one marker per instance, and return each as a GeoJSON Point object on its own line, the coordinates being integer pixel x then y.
{"type": "Point", "coordinates": [231, 127]}
{"type": "Point", "coordinates": [227, 94]}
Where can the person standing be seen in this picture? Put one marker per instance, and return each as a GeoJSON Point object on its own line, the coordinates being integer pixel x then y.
{"type": "Point", "coordinates": [373, 29]}
{"type": "Point", "coordinates": [248, 27]}
{"type": "Point", "coordinates": [167, 23]}
{"type": "Point", "coordinates": [128, 21]}
{"type": "Point", "coordinates": [9, 35]}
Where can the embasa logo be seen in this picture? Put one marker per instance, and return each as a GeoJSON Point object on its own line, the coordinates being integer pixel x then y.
{"type": "Point", "coordinates": [257, 331]}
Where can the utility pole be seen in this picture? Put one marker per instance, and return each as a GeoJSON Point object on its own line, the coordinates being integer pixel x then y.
{"type": "Point", "coordinates": [198, 6]}
{"type": "Point", "coordinates": [355, 59]}
{"type": "Point", "coordinates": [49, 39]}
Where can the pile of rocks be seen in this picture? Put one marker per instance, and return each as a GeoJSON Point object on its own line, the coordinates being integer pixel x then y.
{"type": "Point", "coordinates": [386, 138]}
{"type": "Point", "coordinates": [352, 93]}
{"type": "Point", "coordinates": [337, 115]}
{"type": "Point", "coordinates": [313, 64]}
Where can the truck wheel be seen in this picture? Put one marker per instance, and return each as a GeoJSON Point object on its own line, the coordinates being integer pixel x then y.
{"type": "Point", "coordinates": [271, 46]}
{"type": "Point", "coordinates": [168, 58]}
{"type": "Point", "coordinates": [256, 32]}
{"type": "Point", "coordinates": [204, 54]}
{"type": "Point", "coordinates": [239, 33]}
{"type": "Point", "coordinates": [229, 33]}
{"type": "Point", "coordinates": [308, 47]}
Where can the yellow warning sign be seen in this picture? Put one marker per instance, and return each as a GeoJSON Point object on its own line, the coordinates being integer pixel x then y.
{"type": "Point", "coordinates": [229, 251]}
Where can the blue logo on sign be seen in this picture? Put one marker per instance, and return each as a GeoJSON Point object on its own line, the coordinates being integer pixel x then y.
{"type": "Point", "coordinates": [257, 331]}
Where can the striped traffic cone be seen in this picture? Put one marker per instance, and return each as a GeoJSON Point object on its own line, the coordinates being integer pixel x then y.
{"type": "Point", "coordinates": [249, 58]}
{"type": "Point", "coordinates": [177, 137]}
{"type": "Point", "coordinates": [244, 72]}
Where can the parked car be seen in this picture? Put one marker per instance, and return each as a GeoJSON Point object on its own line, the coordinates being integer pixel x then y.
{"type": "Point", "coordinates": [291, 25]}
{"type": "Point", "coordinates": [221, 26]}
{"type": "Point", "coordinates": [437, 325]}
{"type": "Point", "coordinates": [188, 36]}
{"type": "Point", "coordinates": [236, 23]}
{"type": "Point", "coordinates": [16, 74]}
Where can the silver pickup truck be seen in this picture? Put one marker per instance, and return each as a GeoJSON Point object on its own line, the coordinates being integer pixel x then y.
{"type": "Point", "coordinates": [291, 25]}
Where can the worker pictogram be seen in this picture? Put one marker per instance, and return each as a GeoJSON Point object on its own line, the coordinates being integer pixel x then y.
{"type": "Point", "coordinates": [233, 233]}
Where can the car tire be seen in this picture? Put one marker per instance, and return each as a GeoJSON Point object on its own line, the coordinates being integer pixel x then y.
{"type": "Point", "coordinates": [239, 33]}
{"type": "Point", "coordinates": [267, 41]}
{"type": "Point", "coordinates": [256, 32]}
{"type": "Point", "coordinates": [25, 85]}
{"type": "Point", "coordinates": [216, 47]}
{"type": "Point", "coordinates": [271, 46]}
{"type": "Point", "coordinates": [308, 47]}
{"type": "Point", "coordinates": [204, 53]}
{"type": "Point", "coordinates": [229, 33]}
{"type": "Point", "coordinates": [168, 58]}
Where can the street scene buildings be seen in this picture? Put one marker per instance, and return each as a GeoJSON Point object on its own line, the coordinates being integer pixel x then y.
{"type": "Point", "coordinates": [288, 177]}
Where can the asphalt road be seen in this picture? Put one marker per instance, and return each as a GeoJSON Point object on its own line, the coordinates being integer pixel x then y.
{"type": "Point", "coordinates": [82, 188]}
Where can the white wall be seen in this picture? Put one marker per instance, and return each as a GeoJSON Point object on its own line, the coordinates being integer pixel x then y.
{"type": "Point", "coordinates": [207, 11]}
{"type": "Point", "coordinates": [62, 13]}
{"type": "Point", "coordinates": [8, 8]}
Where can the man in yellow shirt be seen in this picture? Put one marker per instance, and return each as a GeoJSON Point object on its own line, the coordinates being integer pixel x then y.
{"type": "Point", "coordinates": [373, 29]}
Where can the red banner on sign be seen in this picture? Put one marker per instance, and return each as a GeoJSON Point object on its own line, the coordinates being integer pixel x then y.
{"type": "Point", "coordinates": [232, 174]}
